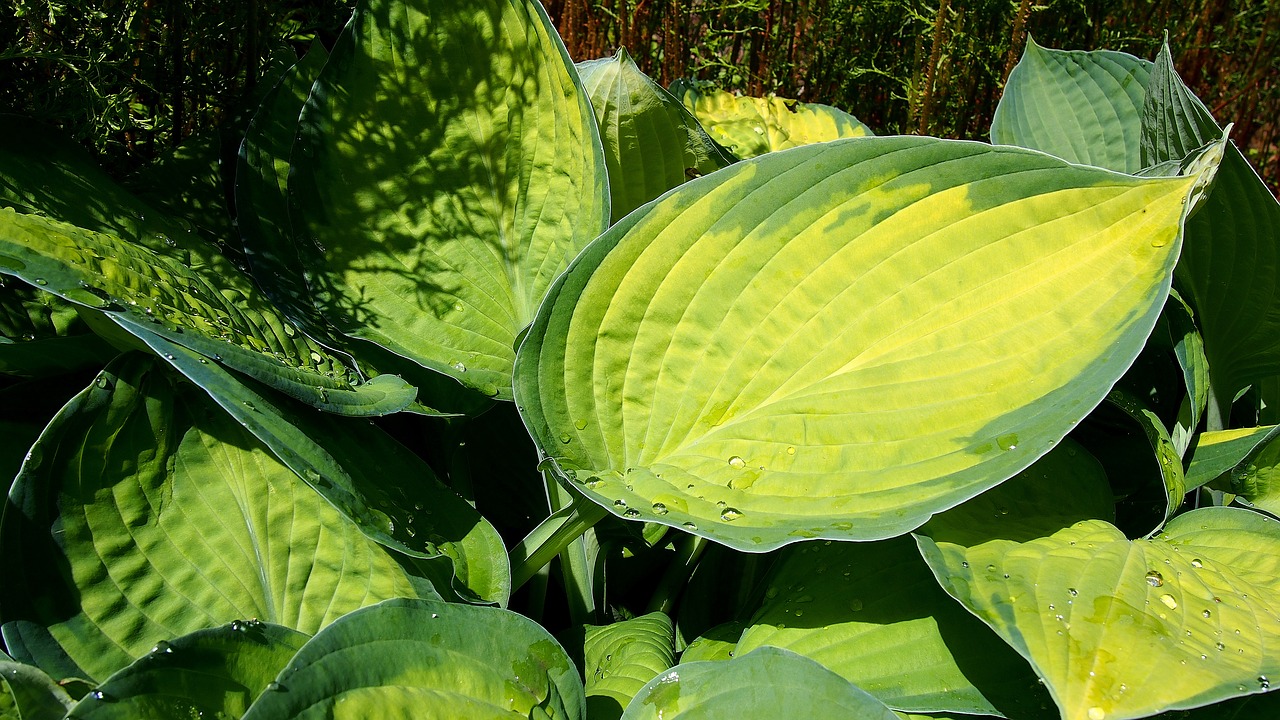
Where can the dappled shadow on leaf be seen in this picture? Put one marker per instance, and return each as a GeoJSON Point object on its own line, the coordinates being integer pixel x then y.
{"type": "Point", "coordinates": [407, 170]}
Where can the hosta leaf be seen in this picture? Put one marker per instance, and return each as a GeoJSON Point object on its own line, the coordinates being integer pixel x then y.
{"type": "Point", "coordinates": [261, 198]}
{"type": "Point", "coordinates": [27, 693]}
{"type": "Point", "coordinates": [1166, 453]}
{"type": "Point", "coordinates": [1221, 451]}
{"type": "Point", "coordinates": [209, 673]}
{"type": "Point", "coordinates": [769, 682]}
{"type": "Point", "coordinates": [1188, 347]}
{"type": "Point", "coordinates": [1174, 121]}
{"type": "Point", "coordinates": [269, 240]}
{"type": "Point", "coordinates": [651, 142]}
{"type": "Point", "coordinates": [384, 488]}
{"type": "Point", "coordinates": [448, 168]}
{"type": "Point", "coordinates": [151, 273]}
{"type": "Point", "coordinates": [718, 643]}
{"type": "Point", "coordinates": [873, 614]}
{"type": "Point", "coordinates": [1060, 489]}
{"type": "Point", "coordinates": [144, 512]}
{"type": "Point", "coordinates": [421, 659]}
{"type": "Point", "coordinates": [841, 340]}
{"type": "Point", "coordinates": [622, 657]}
{"type": "Point", "coordinates": [1124, 629]}
{"type": "Point", "coordinates": [1085, 107]}
{"type": "Point", "coordinates": [751, 126]}
{"type": "Point", "coordinates": [42, 335]}
{"type": "Point", "coordinates": [1231, 269]}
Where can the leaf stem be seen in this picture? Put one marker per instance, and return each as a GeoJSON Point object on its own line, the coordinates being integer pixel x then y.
{"type": "Point", "coordinates": [551, 537]}
{"type": "Point", "coordinates": [678, 572]}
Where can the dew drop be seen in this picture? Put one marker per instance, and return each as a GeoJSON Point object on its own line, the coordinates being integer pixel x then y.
{"type": "Point", "coordinates": [41, 281]}
{"type": "Point", "coordinates": [689, 526]}
{"type": "Point", "coordinates": [631, 513]}
{"type": "Point", "coordinates": [659, 509]}
{"type": "Point", "coordinates": [274, 686]}
{"type": "Point", "coordinates": [1263, 682]}
{"type": "Point", "coordinates": [737, 462]}
{"type": "Point", "coordinates": [791, 451]}
{"type": "Point", "coordinates": [1220, 646]}
{"type": "Point", "coordinates": [1206, 614]}
{"type": "Point", "coordinates": [1154, 578]}
{"type": "Point", "coordinates": [1168, 601]}
{"type": "Point", "coordinates": [1097, 713]}
{"type": "Point", "coordinates": [1008, 442]}
{"type": "Point", "coordinates": [581, 424]}
{"type": "Point", "coordinates": [855, 604]}
{"type": "Point", "coordinates": [565, 438]}
{"type": "Point", "coordinates": [460, 367]}
{"type": "Point", "coordinates": [620, 503]}
{"type": "Point", "coordinates": [162, 647]}
{"type": "Point", "coordinates": [730, 514]}
{"type": "Point", "coordinates": [1072, 592]}
{"type": "Point", "coordinates": [1195, 563]}
{"type": "Point", "coordinates": [249, 404]}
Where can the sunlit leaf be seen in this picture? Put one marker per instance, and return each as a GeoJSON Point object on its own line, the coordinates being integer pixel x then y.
{"type": "Point", "coordinates": [841, 340]}
{"type": "Point", "coordinates": [751, 126]}
{"type": "Point", "coordinates": [1085, 107]}
{"type": "Point", "coordinates": [1124, 629]}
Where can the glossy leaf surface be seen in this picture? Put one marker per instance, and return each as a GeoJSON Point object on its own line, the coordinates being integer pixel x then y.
{"type": "Point", "coordinates": [1125, 629]}
{"type": "Point", "coordinates": [844, 339]}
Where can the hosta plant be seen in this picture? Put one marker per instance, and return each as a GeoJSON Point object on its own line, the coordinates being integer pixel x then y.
{"type": "Point", "coordinates": [517, 391]}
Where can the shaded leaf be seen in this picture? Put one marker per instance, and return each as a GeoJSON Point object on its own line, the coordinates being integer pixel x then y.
{"type": "Point", "coordinates": [1228, 451]}
{"type": "Point", "coordinates": [1167, 457]}
{"type": "Point", "coordinates": [215, 673]}
{"type": "Point", "coordinates": [27, 693]}
{"type": "Point", "coordinates": [755, 357]}
{"type": "Point", "coordinates": [390, 493]}
{"type": "Point", "coordinates": [144, 512]}
{"type": "Point", "coordinates": [424, 659]}
{"type": "Point", "coordinates": [1124, 629]}
{"type": "Point", "coordinates": [448, 167]}
{"type": "Point", "coordinates": [1174, 121]}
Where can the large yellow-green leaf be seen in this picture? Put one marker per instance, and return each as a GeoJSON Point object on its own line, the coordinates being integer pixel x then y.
{"type": "Point", "coordinates": [651, 142]}
{"type": "Point", "coordinates": [1085, 107]}
{"type": "Point", "coordinates": [768, 682]}
{"type": "Point", "coordinates": [751, 126]}
{"type": "Point", "coordinates": [1125, 629]}
{"type": "Point", "coordinates": [145, 512]}
{"type": "Point", "coordinates": [841, 340]}
{"type": "Point", "coordinates": [619, 659]}
{"type": "Point", "coordinates": [447, 169]}
{"type": "Point", "coordinates": [430, 661]}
